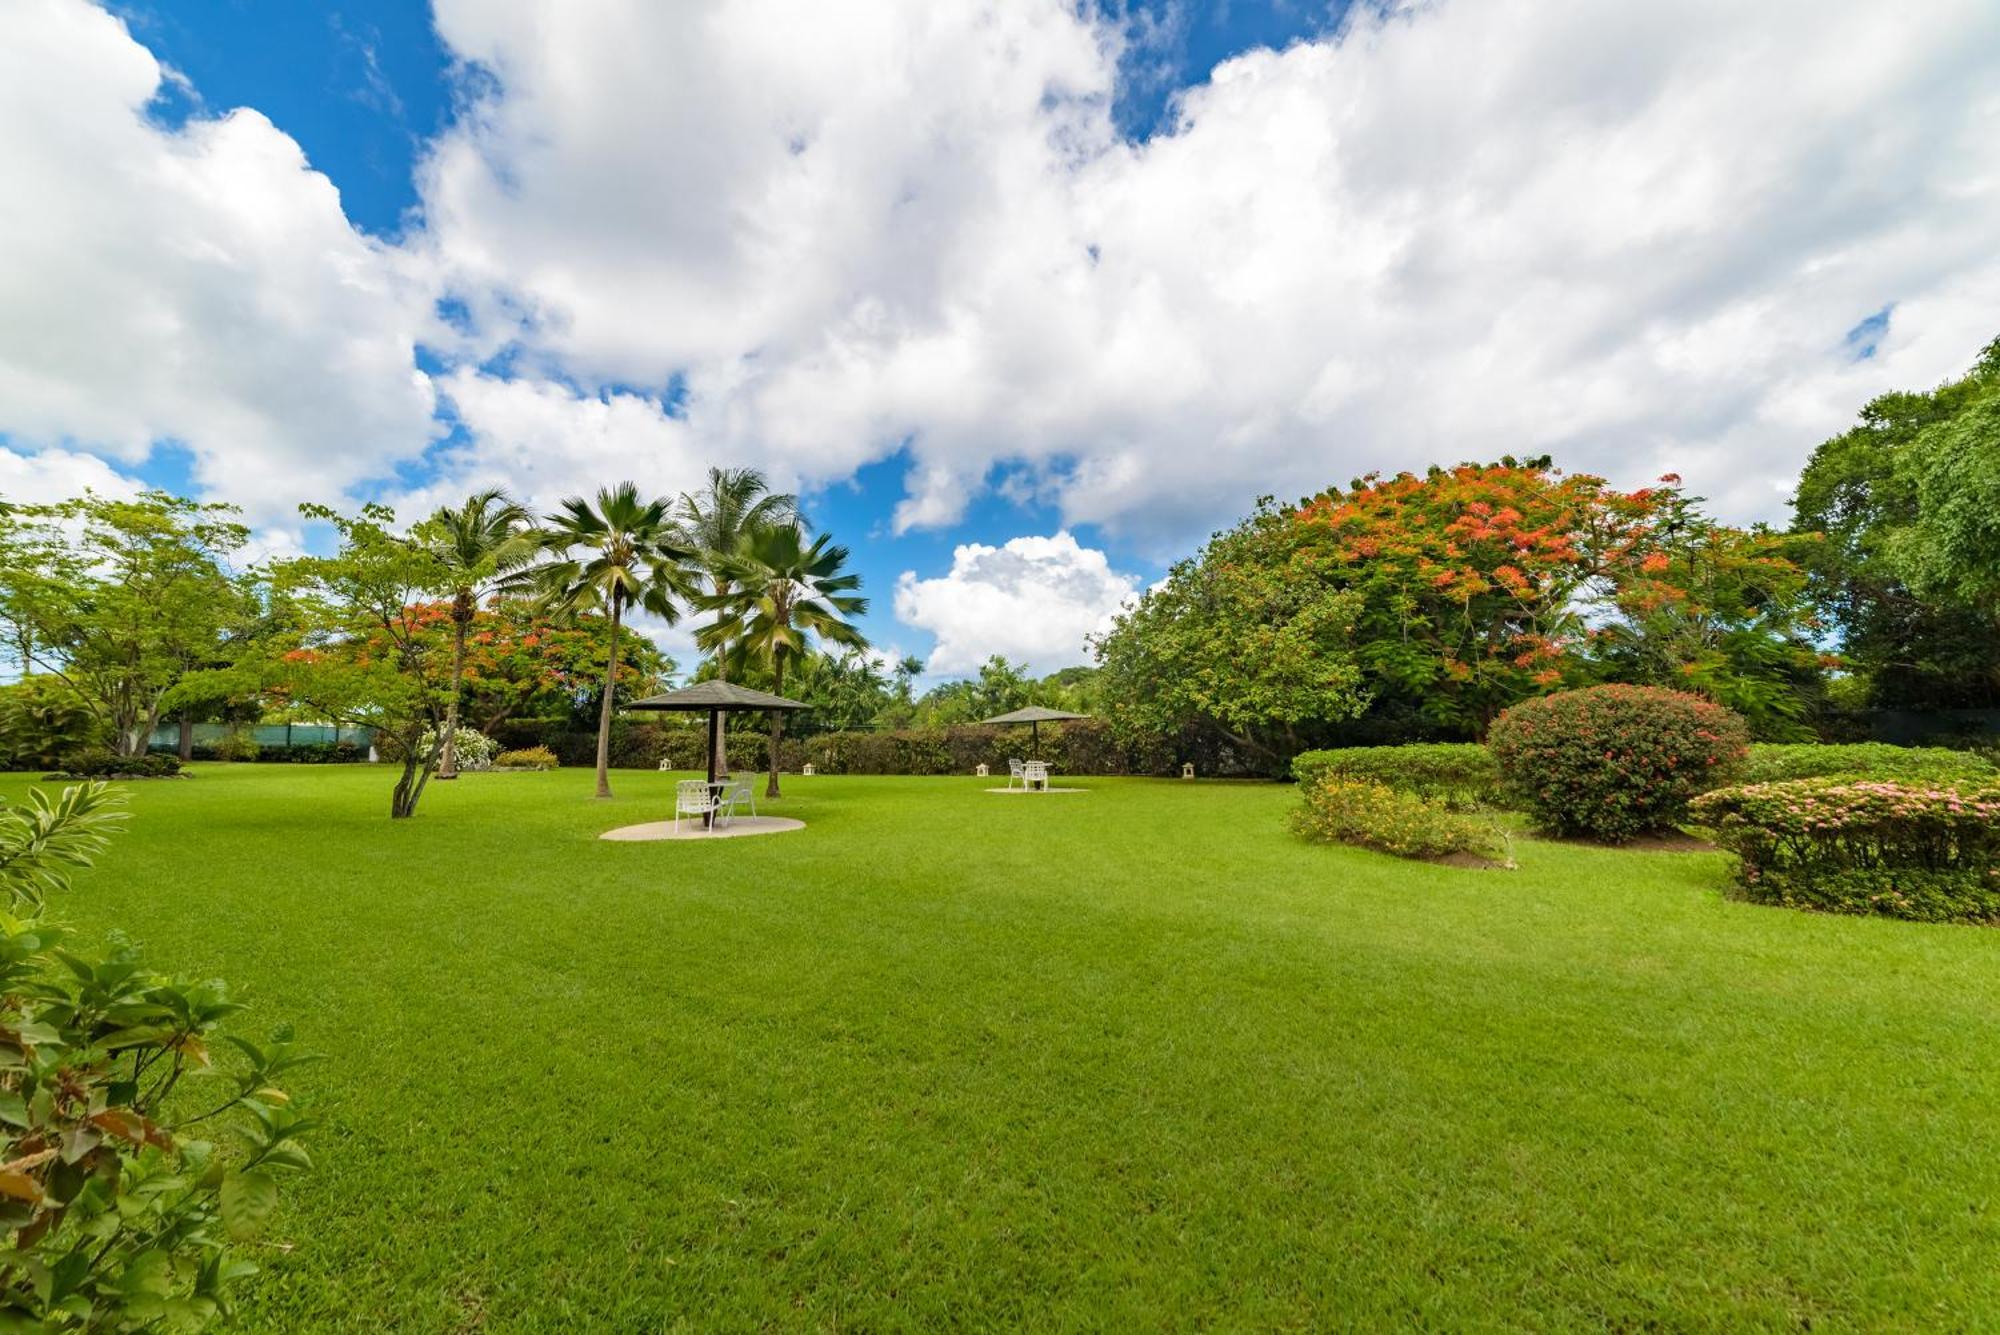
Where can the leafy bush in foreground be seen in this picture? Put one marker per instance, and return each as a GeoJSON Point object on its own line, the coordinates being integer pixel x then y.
{"type": "Point", "coordinates": [120, 1197]}
{"type": "Point", "coordinates": [1459, 774]}
{"type": "Point", "coordinates": [1928, 853]}
{"type": "Point", "coordinates": [1373, 815]}
{"type": "Point", "coordinates": [528, 757]}
{"type": "Point", "coordinates": [1772, 763]}
{"type": "Point", "coordinates": [1612, 762]}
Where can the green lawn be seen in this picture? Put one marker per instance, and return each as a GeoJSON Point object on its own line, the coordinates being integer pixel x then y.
{"type": "Point", "coordinates": [1133, 1059]}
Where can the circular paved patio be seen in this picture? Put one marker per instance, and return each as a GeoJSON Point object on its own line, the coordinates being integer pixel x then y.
{"type": "Point", "coordinates": [742, 827]}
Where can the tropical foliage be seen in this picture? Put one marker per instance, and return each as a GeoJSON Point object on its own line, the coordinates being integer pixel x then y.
{"type": "Point", "coordinates": [785, 594]}
{"type": "Point", "coordinates": [365, 648]}
{"type": "Point", "coordinates": [477, 542]}
{"type": "Point", "coordinates": [1418, 606]}
{"type": "Point", "coordinates": [611, 555]}
{"type": "Point", "coordinates": [135, 1159]}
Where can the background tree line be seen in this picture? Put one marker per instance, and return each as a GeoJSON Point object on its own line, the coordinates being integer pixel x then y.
{"type": "Point", "coordinates": [1401, 608]}
{"type": "Point", "coordinates": [1419, 607]}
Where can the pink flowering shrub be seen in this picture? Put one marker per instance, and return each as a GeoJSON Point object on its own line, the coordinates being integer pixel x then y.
{"type": "Point", "coordinates": [1928, 852]}
{"type": "Point", "coordinates": [1374, 815]}
{"type": "Point", "coordinates": [1612, 762]}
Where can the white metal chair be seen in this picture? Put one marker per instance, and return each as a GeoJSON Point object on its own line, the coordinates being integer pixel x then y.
{"type": "Point", "coordinates": [1035, 774]}
{"type": "Point", "coordinates": [693, 797]}
{"type": "Point", "coordinates": [736, 793]}
{"type": "Point", "coordinates": [1015, 769]}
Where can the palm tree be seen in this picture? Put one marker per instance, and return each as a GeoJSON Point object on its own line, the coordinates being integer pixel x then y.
{"type": "Point", "coordinates": [479, 542]}
{"type": "Point", "coordinates": [622, 552]}
{"type": "Point", "coordinates": [782, 592]}
{"type": "Point", "coordinates": [712, 523]}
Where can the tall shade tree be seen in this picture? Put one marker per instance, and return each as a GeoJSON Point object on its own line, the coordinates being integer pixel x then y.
{"type": "Point", "coordinates": [478, 542]}
{"type": "Point", "coordinates": [616, 554]}
{"type": "Point", "coordinates": [784, 594]}
{"type": "Point", "coordinates": [123, 602]}
{"type": "Point", "coordinates": [711, 523]}
{"type": "Point", "coordinates": [1898, 497]}
{"type": "Point", "coordinates": [368, 645]}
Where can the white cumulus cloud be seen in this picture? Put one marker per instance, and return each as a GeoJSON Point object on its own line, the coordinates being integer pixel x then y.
{"type": "Point", "coordinates": [1034, 599]}
{"type": "Point", "coordinates": [200, 285]}
{"type": "Point", "coordinates": [1634, 235]}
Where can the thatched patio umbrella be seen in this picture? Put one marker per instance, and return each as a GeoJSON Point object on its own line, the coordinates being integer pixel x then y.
{"type": "Point", "coordinates": [1035, 716]}
{"type": "Point", "coordinates": [716, 698]}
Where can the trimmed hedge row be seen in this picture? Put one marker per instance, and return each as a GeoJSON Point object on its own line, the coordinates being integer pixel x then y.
{"type": "Point", "coordinates": [1459, 774]}
{"type": "Point", "coordinates": [97, 764]}
{"type": "Point", "coordinates": [1776, 763]}
{"type": "Point", "coordinates": [1089, 746]}
{"type": "Point", "coordinates": [1930, 853]}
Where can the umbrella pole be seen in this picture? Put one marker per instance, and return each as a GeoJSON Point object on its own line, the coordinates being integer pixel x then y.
{"type": "Point", "coordinates": [1036, 728]}
{"type": "Point", "coordinates": [714, 746]}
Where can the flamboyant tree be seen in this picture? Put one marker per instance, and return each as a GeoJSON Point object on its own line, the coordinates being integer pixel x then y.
{"type": "Point", "coordinates": [1436, 601]}
{"type": "Point", "coordinates": [520, 662]}
{"type": "Point", "coordinates": [371, 645]}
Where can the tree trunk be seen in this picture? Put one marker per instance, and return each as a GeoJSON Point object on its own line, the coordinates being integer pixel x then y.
{"type": "Point", "coordinates": [604, 710]}
{"type": "Point", "coordinates": [448, 764]}
{"type": "Point", "coordinates": [410, 786]}
{"type": "Point", "coordinates": [777, 723]}
{"type": "Point", "coordinates": [403, 801]}
{"type": "Point", "coordinates": [186, 747]}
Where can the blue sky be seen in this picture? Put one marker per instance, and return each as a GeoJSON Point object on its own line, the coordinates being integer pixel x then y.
{"type": "Point", "coordinates": [1028, 297]}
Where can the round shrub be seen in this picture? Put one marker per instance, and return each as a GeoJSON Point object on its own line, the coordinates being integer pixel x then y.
{"type": "Point", "coordinates": [1613, 762]}
{"type": "Point", "coordinates": [528, 757]}
{"type": "Point", "coordinates": [474, 750]}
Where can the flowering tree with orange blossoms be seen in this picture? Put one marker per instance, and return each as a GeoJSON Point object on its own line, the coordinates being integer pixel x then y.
{"type": "Point", "coordinates": [1426, 604]}
{"type": "Point", "coordinates": [520, 662]}
{"type": "Point", "coordinates": [371, 640]}
{"type": "Point", "coordinates": [1478, 582]}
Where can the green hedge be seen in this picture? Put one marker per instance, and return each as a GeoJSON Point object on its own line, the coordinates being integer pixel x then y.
{"type": "Point", "coordinates": [1460, 774]}
{"type": "Point", "coordinates": [1086, 747]}
{"type": "Point", "coordinates": [99, 764]}
{"type": "Point", "coordinates": [1928, 852]}
{"type": "Point", "coordinates": [1777, 763]}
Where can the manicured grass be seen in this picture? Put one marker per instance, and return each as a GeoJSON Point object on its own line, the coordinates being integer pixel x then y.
{"type": "Point", "coordinates": [1134, 1059]}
